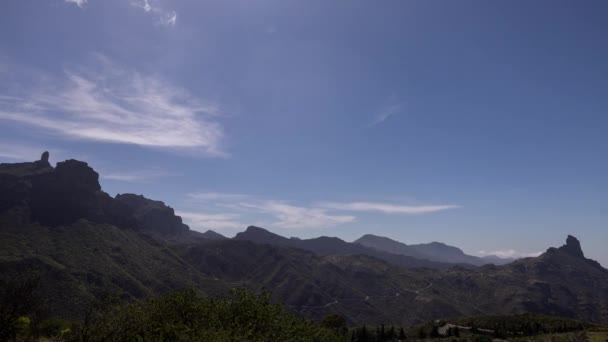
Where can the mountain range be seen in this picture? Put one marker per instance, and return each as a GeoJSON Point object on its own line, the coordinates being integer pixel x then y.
{"type": "Point", "coordinates": [57, 224]}
{"type": "Point", "coordinates": [434, 251]}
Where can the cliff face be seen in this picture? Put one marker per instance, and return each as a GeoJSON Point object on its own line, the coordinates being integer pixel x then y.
{"type": "Point", "coordinates": [154, 215]}
{"type": "Point", "coordinates": [61, 195]}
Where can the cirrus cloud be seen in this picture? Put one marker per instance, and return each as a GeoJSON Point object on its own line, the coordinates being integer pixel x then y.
{"type": "Point", "coordinates": [205, 221]}
{"type": "Point", "coordinates": [79, 3]}
{"type": "Point", "coordinates": [296, 217]}
{"type": "Point", "coordinates": [106, 103]}
{"type": "Point", "coordinates": [387, 208]}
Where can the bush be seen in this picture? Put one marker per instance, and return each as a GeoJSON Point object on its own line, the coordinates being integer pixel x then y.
{"type": "Point", "coordinates": [188, 316]}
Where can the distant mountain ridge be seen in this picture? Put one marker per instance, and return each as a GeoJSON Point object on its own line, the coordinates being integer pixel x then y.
{"type": "Point", "coordinates": [57, 224]}
{"type": "Point", "coordinates": [334, 246]}
{"type": "Point", "coordinates": [434, 251]}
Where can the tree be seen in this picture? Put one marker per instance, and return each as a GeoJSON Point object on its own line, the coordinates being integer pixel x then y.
{"type": "Point", "coordinates": [421, 333]}
{"type": "Point", "coordinates": [335, 322]}
{"type": "Point", "coordinates": [18, 298]}
{"type": "Point", "coordinates": [362, 336]}
{"type": "Point", "coordinates": [402, 334]}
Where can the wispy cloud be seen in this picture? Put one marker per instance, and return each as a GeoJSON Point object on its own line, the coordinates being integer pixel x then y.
{"type": "Point", "coordinates": [79, 3]}
{"type": "Point", "coordinates": [204, 221]}
{"type": "Point", "coordinates": [14, 151]}
{"type": "Point", "coordinates": [145, 176]}
{"type": "Point", "coordinates": [273, 213]}
{"type": "Point", "coordinates": [387, 208]}
{"type": "Point", "coordinates": [393, 105]}
{"type": "Point", "coordinates": [287, 215]}
{"type": "Point", "coordinates": [508, 253]}
{"type": "Point", "coordinates": [386, 112]}
{"type": "Point", "coordinates": [106, 103]}
{"type": "Point", "coordinates": [215, 196]}
{"type": "Point", "coordinates": [164, 17]}
{"type": "Point", "coordinates": [294, 217]}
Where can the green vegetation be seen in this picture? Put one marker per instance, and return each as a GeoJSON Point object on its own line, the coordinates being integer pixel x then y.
{"type": "Point", "coordinates": [183, 315]}
{"type": "Point", "coordinates": [523, 324]}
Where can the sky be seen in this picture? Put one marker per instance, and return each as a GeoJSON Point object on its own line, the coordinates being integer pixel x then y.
{"type": "Point", "coordinates": [481, 124]}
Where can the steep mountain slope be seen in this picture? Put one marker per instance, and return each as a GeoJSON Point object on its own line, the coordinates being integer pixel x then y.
{"type": "Point", "coordinates": [560, 282]}
{"type": "Point", "coordinates": [434, 251]}
{"type": "Point", "coordinates": [79, 261]}
{"type": "Point", "coordinates": [57, 224]}
{"type": "Point", "coordinates": [334, 246]}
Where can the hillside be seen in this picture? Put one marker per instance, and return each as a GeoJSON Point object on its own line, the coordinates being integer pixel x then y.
{"type": "Point", "coordinates": [434, 251]}
{"type": "Point", "coordinates": [57, 224]}
{"type": "Point", "coordinates": [334, 246]}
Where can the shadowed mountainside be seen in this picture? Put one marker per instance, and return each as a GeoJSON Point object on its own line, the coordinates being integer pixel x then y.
{"type": "Point", "coordinates": [334, 246]}
{"type": "Point", "coordinates": [57, 224]}
{"type": "Point", "coordinates": [434, 251]}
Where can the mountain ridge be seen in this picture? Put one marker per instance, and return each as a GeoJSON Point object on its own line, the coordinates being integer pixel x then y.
{"type": "Point", "coordinates": [434, 251]}
{"type": "Point", "coordinates": [325, 245]}
{"type": "Point", "coordinates": [90, 242]}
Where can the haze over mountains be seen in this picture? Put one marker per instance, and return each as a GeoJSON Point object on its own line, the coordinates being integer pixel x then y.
{"type": "Point", "coordinates": [57, 223]}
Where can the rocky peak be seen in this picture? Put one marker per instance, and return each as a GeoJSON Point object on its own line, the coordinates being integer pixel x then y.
{"type": "Point", "coordinates": [43, 162]}
{"type": "Point", "coordinates": [152, 215]}
{"type": "Point", "coordinates": [572, 247]}
{"type": "Point", "coordinates": [44, 157]}
{"type": "Point", "coordinates": [71, 191]}
{"type": "Point", "coordinates": [211, 235]}
{"type": "Point", "coordinates": [77, 173]}
{"type": "Point", "coordinates": [260, 235]}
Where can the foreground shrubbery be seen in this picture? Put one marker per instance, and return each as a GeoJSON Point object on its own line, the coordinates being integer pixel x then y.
{"type": "Point", "coordinates": [181, 316]}
{"type": "Point", "coordinates": [187, 316]}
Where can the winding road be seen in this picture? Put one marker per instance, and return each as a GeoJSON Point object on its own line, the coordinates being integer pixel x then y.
{"type": "Point", "coordinates": [366, 299]}
{"type": "Point", "coordinates": [242, 283]}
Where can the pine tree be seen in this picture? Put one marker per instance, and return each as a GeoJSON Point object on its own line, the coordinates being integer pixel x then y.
{"type": "Point", "coordinates": [402, 334]}
{"type": "Point", "coordinates": [421, 333]}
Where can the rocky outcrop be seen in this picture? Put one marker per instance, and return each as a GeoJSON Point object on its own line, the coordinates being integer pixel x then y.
{"type": "Point", "coordinates": [71, 191]}
{"type": "Point", "coordinates": [573, 247]}
{"type": "Point", "coordinates": [153, 215]}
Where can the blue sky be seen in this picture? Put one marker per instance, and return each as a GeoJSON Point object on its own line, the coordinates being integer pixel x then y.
{"type": "Point", "coordinates": [479, 124]}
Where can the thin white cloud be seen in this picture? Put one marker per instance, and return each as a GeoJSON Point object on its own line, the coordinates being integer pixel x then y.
{"type": "Point", "coordinates": [508, 253]}
{"type": "Point", "coordinates": [285, 215]}
{"type": "Point", "coordinates": [79, 3]}
{"type": "Point", "coordinates": [293, 217]}
{"type": "Point", "coordinates": [110, 104]}
{"type": "Point", "coordinates": [203, 221]}
{"type": "Point", "coordinates": [168, 19]}
{"type": "Point", "coordinates": [133, 176]}
{"type": "Point", "coordinates": [216, 196]}
{"type": "Point", "coordinates": [164, 17]}
{"type": "Point", "coordinates": [17, 152]}
{"type": "Point", "coordinates": [387, 208]}
{"type": "Point", "coordinates": [386, 112]}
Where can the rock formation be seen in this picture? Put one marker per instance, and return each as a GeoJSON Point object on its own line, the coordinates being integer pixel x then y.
{"type": "Point", "coordinates": [71, 191]}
